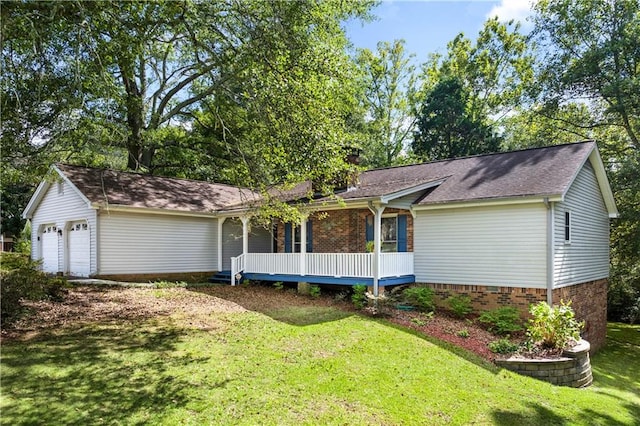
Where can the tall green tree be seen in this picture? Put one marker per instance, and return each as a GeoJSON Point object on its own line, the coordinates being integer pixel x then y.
{"type": "Point", "coordinates": [124, 84]}
{"type": "Point", "coordinates": [447, 129]}
{"type": "Point", "coordinates": [389, 87]}
{"type": "Point", "coordinates": [495, 69]}
{"type": "Point", "coordinates": [592, 53]}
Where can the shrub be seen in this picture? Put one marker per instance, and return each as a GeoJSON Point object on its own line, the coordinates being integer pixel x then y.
{"type": "Point", "coordinates": [464, 333]}
{"type": "Point", "coordinates": [460, 305]}
{"type": "Point", "coordinates": [278, 285]}
{"type": "Point", "coordinates": [21, 279]}
{"type": "Point", "coordinates": [314, 291]}
{"type": "Point", "coordinates": [503, 346]}
{"type": "Point", "coordinates": [553, 326]}
{"type": "Point", "coordinates": [503, 320]}
{"type": "Point", "coordinates": [359, 296]}
{"type": "Point", "coordinates": [420, 297]}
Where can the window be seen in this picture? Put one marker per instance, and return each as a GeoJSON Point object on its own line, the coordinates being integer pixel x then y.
{"type": "Point", "coordinates": [296, 239]}
{"type": "Point", "coordinates": [389, 231]}
{"type": "Point", "coordinates": [567, 227]}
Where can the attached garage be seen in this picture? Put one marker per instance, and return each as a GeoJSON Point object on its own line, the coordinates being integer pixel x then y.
{"type": "Point", "coordinates": [79, 249]}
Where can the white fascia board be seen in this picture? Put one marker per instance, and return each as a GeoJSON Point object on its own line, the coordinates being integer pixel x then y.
{"type": "Point", "coordinates": [42, 188]}
{"type": "Point", "coordinates": [146, 210]}
{"type": "Point", "coordinates": [385, 199]}
{"type": "Point", "coordinates": [603, 182]}
{"type": "Point", "coordinates": [485, 202]}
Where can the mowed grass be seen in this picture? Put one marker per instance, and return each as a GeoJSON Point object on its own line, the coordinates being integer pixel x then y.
{"type": "Point", "coordinates": [292, 365]}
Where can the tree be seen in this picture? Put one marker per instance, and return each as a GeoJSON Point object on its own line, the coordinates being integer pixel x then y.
{"type": "Point", "coordinates": [445, 127]}
{"type": "Point", "coordinates": [593, 53]}
{"type": "Point", "coordinates": [495, 70]}
{"type": "Point", "coordinates": [389, 83]}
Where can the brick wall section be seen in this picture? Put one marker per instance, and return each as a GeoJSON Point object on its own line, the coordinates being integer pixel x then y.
{"type": "Point", "coordinates": [588, 300]}
{"type": "Point", "coordinates": [343, 231]}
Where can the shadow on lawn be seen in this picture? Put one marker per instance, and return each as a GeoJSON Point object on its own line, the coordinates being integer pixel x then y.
{"type": "Point", "coordinates": [93, 374]}
{"type": "Point", "coordinates": [283, 306]}
{"type": "Point", "coordinates": [539, 415]}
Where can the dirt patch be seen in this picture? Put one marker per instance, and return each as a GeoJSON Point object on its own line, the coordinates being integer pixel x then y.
{"type": "Point", "coordinates": [193, 307]}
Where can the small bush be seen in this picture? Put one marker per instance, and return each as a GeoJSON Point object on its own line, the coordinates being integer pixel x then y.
{"type": "Point", "coordinates": [464, 333]}
{"type": "Point", "coordinates": [22, 279]}
{"type": "Point", "coordinates": [504, 320]}
{"type": "Point", "coordinates": [460, 305]}
{"type": "Point", "coordinates": [420, 297]}
{"type": "Point", "coordinates": [314, 291]}
{"type": "Point", "coordinates": [278, 285]}
{"type": "Point", "coordinates": [359, 296]}
{"type": "Point", "coordinates": [503, 346]}
{"type": "Point", "coordinates": [553, 326]}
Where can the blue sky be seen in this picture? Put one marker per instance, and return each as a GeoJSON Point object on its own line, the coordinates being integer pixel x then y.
{"type": "Point", "coordinates": [427, 26]}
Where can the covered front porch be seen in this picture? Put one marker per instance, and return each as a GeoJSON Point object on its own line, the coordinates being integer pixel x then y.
{"type": "Point", "coordinates": [326, 268]}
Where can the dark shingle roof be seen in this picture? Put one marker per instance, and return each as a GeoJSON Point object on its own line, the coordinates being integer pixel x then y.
{"type": "Point", "coordinates": [530, 172]}
{"type": "Point", "coordinates": [109, 187]}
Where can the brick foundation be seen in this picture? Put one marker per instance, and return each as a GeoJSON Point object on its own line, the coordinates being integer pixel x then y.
{"type": "Point", "coordinates": [588, 300]}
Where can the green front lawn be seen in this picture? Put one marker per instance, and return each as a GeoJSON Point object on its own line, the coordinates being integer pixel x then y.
{"type": "Point", "coordinates": [295, 364]}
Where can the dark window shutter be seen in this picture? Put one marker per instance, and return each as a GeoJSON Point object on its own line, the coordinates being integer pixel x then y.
{"type": "Point", "coordinates": [368, 223]}
{"type": "Point", "coordinates": [402, 233]}
{"type": "Point", "coordinates": [287, 238]}
{"type": "Point", "coordinates": [309, 237]}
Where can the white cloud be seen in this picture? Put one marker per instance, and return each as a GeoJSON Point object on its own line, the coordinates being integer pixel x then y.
{"type": "Point", "coordinates": [517, 10]}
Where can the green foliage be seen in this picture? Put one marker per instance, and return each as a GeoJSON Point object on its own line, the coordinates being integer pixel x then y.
{"type": "Point", "coordinates": [460, 305]}
{"type": "Point", "coordinates": [464, 333]}
{"type": "Point", "coordinates": [553, 326]}
{"type": "Point", "coordinates": [503, 320]}
{"type": "Point", "coordinates": [21, 280]}
{"type": "Point", "coordinates": [169, 284]}
{"type": "Point", "coordinates": [420, 297]}
{"type": "Point", "coordinates": [23, 244]}
{"type": "Point", "coordinates": [503, 346]}
{"type": "Point", "coordinates": [359, 296]}
{"type": "Point", "coordinates": [314, 291]}
{"type": "Point", "coordinates": [389, 82]}
{"type": "Point", "coordinates": [278, 285]}
{"type": "Point", "coordinates": [445, 127]}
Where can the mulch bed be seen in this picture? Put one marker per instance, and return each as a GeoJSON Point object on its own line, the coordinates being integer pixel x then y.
{"type": "Point", "coordinates": [100, 304]}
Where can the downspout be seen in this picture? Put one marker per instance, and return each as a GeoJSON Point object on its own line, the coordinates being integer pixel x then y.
{"type": "Point", "coordinates": [550, 248]}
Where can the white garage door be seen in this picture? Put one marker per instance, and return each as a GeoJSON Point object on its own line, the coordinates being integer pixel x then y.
{"type": "Point", "coordinates": [49, 240]}
{"type": "Point", "coordinates": [79, 249]}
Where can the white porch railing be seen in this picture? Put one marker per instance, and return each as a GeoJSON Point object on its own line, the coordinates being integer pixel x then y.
{"type": "Point", "coordinates": [396, 264]}
{"type": "Point", "coordinates": [323, 264]}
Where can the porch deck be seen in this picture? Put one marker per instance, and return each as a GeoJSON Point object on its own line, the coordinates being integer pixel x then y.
{"type": "Point", "coordinates": [326, 268]}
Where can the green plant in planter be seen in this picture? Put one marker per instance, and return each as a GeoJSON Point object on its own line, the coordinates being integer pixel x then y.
{"type": "Point", "coordinates": [460, 305]}
{"type": "Point", "coordinates": [553, 326]}
{"type": "Point", "coordinates": [503, 346]}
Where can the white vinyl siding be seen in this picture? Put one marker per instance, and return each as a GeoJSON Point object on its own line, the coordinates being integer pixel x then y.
{"type": "Point", "coordinates": [586, 256]}
{"type": "Point", "coordinates": [60, 207]}
{"type": "Point", "coordinates": [493, 245]}
{"type": "Point", "coordinates": [138, 243]}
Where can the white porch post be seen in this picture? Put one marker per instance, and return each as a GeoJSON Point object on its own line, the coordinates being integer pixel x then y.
{"type": "Point", "coordinates": [377, 245]}
{"type": "Point", "coordinates": [303, 244]}
{"type": "Point", "coordinates": [220, 222]}
{"type": "Point", "coordinates": [245, 234]}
